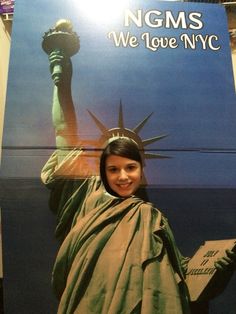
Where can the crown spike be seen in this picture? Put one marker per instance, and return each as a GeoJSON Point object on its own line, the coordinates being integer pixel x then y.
{"type": "Point", "coordinates": [138, 128]}
{"type": "Point", "coordinates": [153, 156]}
{"type": "Point", "coordinates": [98, 123]}
{"type": "Point", "coordinates": [121, 117]}
{"type": "Point", "coordinates": [153, 139]}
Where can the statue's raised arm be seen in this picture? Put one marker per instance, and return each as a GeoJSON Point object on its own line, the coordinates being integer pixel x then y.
{"type": "Point", "coordinates": [60, 43]}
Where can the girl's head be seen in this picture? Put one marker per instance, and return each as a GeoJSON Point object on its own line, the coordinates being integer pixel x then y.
{"type": "Point", "coordinates": [121, 167]}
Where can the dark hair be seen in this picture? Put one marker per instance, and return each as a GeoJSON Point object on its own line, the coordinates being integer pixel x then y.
{"type": "Point", "coordinates": [123, 147]}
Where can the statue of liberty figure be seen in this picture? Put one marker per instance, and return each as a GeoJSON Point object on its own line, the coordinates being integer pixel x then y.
{"type": "Point", "coordinates": [118, 253]}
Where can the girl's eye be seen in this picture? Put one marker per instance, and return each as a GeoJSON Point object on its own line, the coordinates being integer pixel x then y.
{"type": "Point", "coordinates": [112, 170]}
{"type": "Point", "coordinates": [131, 167]}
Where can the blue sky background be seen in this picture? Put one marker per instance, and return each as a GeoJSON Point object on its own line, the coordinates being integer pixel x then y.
{"type": "Point", "coordinates": [191, 92]}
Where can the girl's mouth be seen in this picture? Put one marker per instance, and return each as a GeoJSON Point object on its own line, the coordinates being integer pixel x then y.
{"type": "Point", "coordinates": [124, 185]}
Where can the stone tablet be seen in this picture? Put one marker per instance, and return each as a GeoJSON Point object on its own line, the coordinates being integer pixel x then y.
{"type": "Point", "coordinates": [201, 269]}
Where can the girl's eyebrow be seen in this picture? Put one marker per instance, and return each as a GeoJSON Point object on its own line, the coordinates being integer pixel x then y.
{"type": "Point", "coordinates": [111, 166]}
{"type": "Point", "coordinates": [128, 164]}
{"type": "Point", "coordinates": [132, 164]}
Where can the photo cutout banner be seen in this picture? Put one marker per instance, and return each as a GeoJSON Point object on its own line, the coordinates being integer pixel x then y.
{"type": "Point", "coordinates": [157, 71]}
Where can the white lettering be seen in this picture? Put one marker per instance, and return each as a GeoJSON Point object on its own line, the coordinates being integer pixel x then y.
{"type": "Point", "coordinates": [211, 38]}
{"type": "Point", "coordinates": [153, 22]}
{"type": "Point", "coordinates": [130, 16]}
{"type": "Point", "coordinates": [188, 42]}
{"type": "Point", "coordinates": [154, 43]}
{"type": "Point", "coordinates": [156, 19]}
{"type": "Point", "coordinates": [181, 20]}
{"type": "Point", "coordinates": [206, 42]}
{"type": "Point", "coordinates": [195, 17]}
{"type": "Point", "coordinates": [123, 40]}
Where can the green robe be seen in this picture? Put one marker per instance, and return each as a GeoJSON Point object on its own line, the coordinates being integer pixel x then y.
{"type": "Point", "coordinates": [117, 256]}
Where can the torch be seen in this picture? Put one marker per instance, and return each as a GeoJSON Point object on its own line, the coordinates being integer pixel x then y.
{"type": "Point", "coordinates": [62, 38]}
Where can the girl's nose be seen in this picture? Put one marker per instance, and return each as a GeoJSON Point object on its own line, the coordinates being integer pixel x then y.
{"type": "Point", "coordinates": [123, 175]}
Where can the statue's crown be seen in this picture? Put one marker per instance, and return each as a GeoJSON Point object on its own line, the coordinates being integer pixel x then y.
{"type": "Point", "coordinates": [121, 131]}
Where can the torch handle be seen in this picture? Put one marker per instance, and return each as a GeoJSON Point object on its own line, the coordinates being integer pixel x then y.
{"type": "Point", "coordinates": [56, 73]}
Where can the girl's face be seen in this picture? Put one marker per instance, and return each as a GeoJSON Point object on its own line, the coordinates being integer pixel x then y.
{"type": "Point", "coordinates": [123, 175]}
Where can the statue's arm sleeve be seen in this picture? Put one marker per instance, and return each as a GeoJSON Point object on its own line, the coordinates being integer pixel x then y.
{"type": "Point", "coordinates": [63, 110]}
{"type": "Point", "coordinates": [67, 192]}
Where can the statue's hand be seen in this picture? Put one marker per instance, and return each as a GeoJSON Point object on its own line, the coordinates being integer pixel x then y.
{"type": "Point", "coordinates": [60, 67]}
{"type": "Point", "coordinates": [227, 263]}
